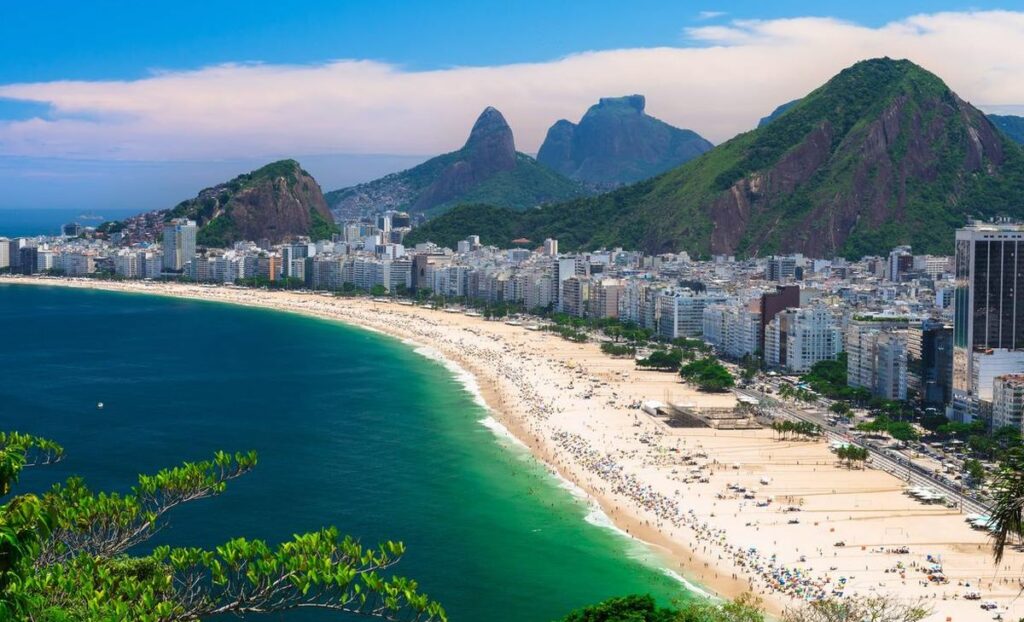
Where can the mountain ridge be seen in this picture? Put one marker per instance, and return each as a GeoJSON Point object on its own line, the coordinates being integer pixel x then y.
{"type": "Point", "coordinates": [1011, 125]}
{"type": "Point", "coordinates": [881, 154]}
{"type": "Point", "coordinates": [486, 169]}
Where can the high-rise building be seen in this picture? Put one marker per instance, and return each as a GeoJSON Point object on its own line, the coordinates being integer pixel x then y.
{"type": "Point", "coordinates": [901, 260]}
{"type": "Point", "coordinates": [5, 254]}
{"type": "Point", "coordinates": [14, 252]}
{"type": "Point", "coordinates": [179, 244]}
{"type": "Point", "coordinates": [890, 366]}
{"type": "Point", "coordinates": [783, 268]}
{"type": "Point", "coordinates": [784, 297]}
{"type": "Point", "coordinates": [71, 230]}
{"type": "Point", "coordinates": [988, 273]}
{"type": "Point", "coordinates": [28, 259]}
{"type": "Point", "coordinates": [930, 362]}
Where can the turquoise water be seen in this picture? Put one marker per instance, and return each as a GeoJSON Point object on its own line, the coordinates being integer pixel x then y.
{"type": "Point", "coordinates": [353, 429]}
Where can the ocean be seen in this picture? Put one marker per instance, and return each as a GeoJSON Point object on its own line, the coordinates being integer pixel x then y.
{"type": "Point", "coordinates": [354, 429]}
{"type": "Point", "coordinates": [32, 222]}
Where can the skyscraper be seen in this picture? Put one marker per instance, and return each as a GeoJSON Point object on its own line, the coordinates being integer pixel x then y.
{"type": "Point", "coordinates": [179, 244]}
{"type": "Point", "coordinates": [986, 316]}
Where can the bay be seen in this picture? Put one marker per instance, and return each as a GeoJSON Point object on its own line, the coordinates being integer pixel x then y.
{"type": "Point", "coordinates": [353, 429]}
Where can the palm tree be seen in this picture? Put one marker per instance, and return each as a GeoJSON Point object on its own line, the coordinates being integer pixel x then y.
{"type": "Point", "coordinates": [1008, 509]}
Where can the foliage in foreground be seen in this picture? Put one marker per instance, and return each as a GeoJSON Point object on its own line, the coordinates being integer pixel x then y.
{"type": "Point", "coordinates": [637, 608]}
{"type": "Point", "coordinates": [64, 555]}
{"type": "Point", "coordinates": [748, 609]}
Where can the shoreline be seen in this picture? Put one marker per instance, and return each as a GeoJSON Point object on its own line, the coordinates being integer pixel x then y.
{"type": "Point", "coordinates": [625, 465]}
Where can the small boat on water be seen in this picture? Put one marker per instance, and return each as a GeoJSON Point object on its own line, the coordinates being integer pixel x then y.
{"type": "Point", "coordinates": [99, 405]}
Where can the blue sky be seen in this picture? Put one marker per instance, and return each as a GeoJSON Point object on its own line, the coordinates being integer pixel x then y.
{"type": "Point", "coordinates": [99, 39]}
{"type": "Point", "coordinates": [69, 134]}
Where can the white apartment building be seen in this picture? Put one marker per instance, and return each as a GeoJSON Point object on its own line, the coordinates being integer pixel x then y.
{"type": "Point", "coordinates": [797, 338]}
{"type": "Point", "coordinates": [126, 264]}
{"type": "Point", "coordinates": [1008, 401]}
{"type": "Point", "coordinates": [891, 366]}
{"type": "Point", "coordinates": [681, 313]}
{"type": "Point", "coordinates": [537, 292]}
{"type": "Point", "coordinates": [76, 264]}
{"type": "Point", "coordinates": [989, 364]}
{"type": "Point", "coordinates": [45, 259]}
{"type": "Point", "coordinates": [876, 351]}
{"type": "Point", "coordinates": [733, 329]}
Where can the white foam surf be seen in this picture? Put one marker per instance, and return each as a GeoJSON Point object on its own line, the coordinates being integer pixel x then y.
{"type": "Point", "coordinates": [639, 550]}
{"type": "Point", "coordinates": [466, 379]}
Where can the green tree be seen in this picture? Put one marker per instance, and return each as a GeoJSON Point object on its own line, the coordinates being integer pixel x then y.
{"type": "Point", "coordinates": [976, 472]}
{"type": "Point", "coordinates": [840, 408]}
{"type": "Point", "coordinates": [859, 609]}
{"type": "Point", "coordinates": [708, 374]}
{"type": "Point", "coordinates": [664, 360]}
{"type": "Point", "coordinates": [65, 555]}
{"type": "Point", "coordinates": [643, 609]}
{"type": "Point", "coordinates": [1008, 508]}
{"type": "Point", "coordinates": [633, 608]}
{"type": "Point", "coordinates": [747, 608]}
{"type": "Point", "coordinates": [851, 454]}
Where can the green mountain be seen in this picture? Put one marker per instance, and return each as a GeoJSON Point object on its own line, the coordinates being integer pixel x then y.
{"type": "Point", "coordinates": [617, 143]}
{"type": "Point", "coordinates": [778, 112]}
{"type": "Point", "coordinates": [882, 154]}
{"type": "Point", "coordinates": [1010, 125]}
{"type": "Point", "coordinates": [274, 202]}
{"type": "Point", "coordinates": [487, 169]}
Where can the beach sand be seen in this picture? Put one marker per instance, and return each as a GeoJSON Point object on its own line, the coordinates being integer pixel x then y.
{"type": "Point", "coordinates": [576, 409]}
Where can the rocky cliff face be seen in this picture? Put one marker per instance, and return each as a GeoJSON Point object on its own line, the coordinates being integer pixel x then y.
{"type": "Point", "coordinates": [487, 169]}
{"type": "Point", "coordinates": [489, 150]}
{"type": "Point", "coordinates": [883, 154]}
{"type": "Point", "coordinates": [900, 170]}
{"type": "Point", "coordinates": [617, 143]}
{"type": "Point", "coordinates": [275, 202]}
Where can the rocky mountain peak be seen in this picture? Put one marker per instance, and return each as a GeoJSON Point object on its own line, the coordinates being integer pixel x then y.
{"type": "Point", "coordinates": [491, 140]}
{"type": "Point", "coordinates": [617, 143]}
{"type": "Point", "coordinates": [635, 103]}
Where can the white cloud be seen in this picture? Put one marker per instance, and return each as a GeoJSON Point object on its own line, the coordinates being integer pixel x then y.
{"type": "Point", "coordinates": [731, 75]}
{"type": "Point", "coordinates": [710, 14]}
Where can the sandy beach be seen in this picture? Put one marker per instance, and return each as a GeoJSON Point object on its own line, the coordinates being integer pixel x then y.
{"type": "Point", "coordinates": [677, 489]}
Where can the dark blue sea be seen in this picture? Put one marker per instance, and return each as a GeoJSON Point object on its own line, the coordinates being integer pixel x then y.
{"type": "Point", "coordinates": [32, 222]}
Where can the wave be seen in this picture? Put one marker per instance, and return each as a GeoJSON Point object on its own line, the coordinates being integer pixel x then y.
{"type": "Point", "coordinates": [595, 515]}
{"type": "Point", "coordinates": [464, 378]}
{"type": "Point", "coordinates": [503, 433]}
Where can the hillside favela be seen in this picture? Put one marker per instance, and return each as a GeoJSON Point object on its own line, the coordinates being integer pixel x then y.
{"type": "Point", "coordinates": [530, 312]}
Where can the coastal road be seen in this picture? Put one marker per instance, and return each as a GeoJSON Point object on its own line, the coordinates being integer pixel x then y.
{"type": "Point", "coordinates": [899, 466]}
